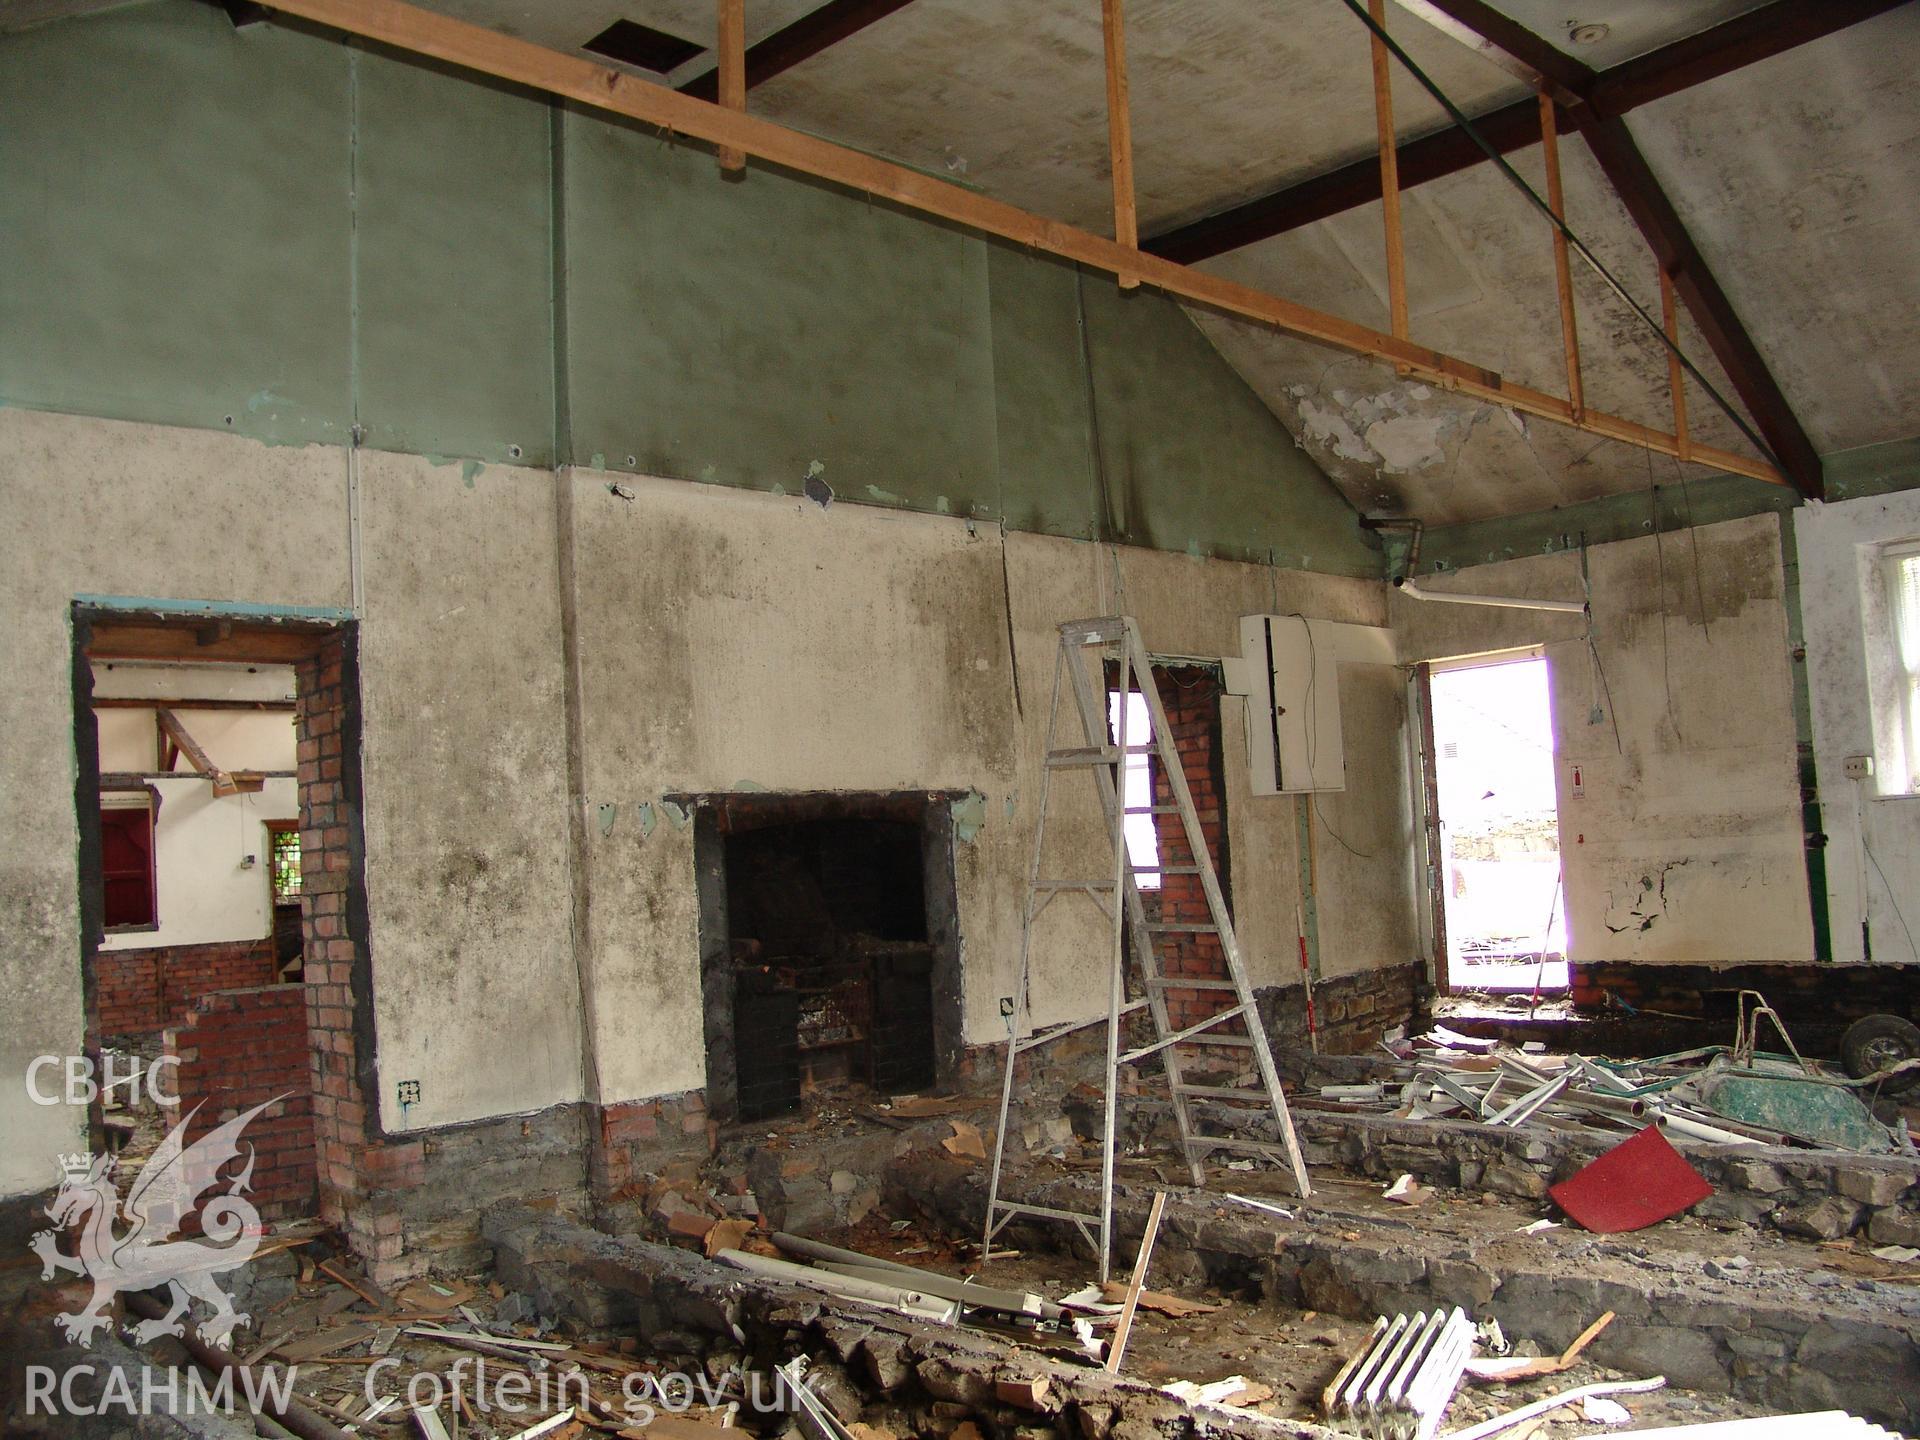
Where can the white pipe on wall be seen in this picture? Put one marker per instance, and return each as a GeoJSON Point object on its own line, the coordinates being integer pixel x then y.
{"type": "Point", "coordinates": [1508, 602]}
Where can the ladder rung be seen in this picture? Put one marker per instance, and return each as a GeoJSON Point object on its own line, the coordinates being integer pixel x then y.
{"type": "Point", "coordinates": [1094, 632]}
{"type": "Point", "coordinates": [1152, 810]}
{"type": "Point", "coordinates": [1176, 869]}
{"type": "Point", "coordinates": [1183, 927]}
{"type": "Point", "coordinates": [1255, 1147]}
{"type": "Point", "coordinates": [1180, 983]}
{"type": "Point", "coordinates": [1084, 755]}
{"type": "Point", "coordinates": [1243, 1042]}
{"type": "Point", "coordinates": [1073, 885]}
{"type": "Point", "coordinates": [1223, 1092]}
{"type": "Point", "coordinates": [1177, 1036]}
{"type": "Point", "coordinates": [1043, 1211]}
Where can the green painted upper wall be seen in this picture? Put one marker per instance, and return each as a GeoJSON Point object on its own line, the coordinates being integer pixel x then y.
{"type": "Point", "coordinates": [282, 235]}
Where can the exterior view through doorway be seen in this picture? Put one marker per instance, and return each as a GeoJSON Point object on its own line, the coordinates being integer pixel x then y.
{"type": "Point", "coordinates": [1498, 845]}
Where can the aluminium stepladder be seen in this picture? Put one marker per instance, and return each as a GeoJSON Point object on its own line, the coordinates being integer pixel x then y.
{"type": "Point", "coordinates": [1097, 656]}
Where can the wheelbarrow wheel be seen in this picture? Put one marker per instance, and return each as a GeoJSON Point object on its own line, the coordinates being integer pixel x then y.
{"type": "Point", "coordinates": [1878, 1041]}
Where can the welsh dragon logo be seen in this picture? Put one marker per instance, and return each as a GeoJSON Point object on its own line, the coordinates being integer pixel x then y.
{"type": "Point", "coordinates": [149, 1252]}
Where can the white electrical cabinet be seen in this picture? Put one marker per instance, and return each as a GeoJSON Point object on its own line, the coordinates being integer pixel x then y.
{"type": "Point", "coordinates": [1289, 671]}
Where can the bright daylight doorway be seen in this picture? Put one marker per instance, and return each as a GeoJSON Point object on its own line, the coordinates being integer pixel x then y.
{"type": "Point", "coordinates": [1499, 878]}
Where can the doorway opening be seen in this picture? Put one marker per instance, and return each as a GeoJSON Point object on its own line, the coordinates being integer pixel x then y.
{"type": "Point", "coordinates": [1497, 848]}
{"type": "Point", "coordinates": [197, 739]}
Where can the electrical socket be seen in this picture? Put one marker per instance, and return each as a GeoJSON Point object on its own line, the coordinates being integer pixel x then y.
{"type": "Point", "coordinates": [1006, 1005]}
{"type": "Point", "coordinates": [1858, 767]}
{"type": "Point", "coordinates": [409, 1092]}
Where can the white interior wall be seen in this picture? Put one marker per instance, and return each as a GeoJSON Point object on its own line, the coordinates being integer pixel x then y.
{"type": "Point", "coordinates": [1873, 848]}
{"type": "Point", "coordinates": [205, 889]}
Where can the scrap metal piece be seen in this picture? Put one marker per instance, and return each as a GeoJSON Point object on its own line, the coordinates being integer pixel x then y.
{"type": "Point", "coordinates": [1402, 1381]}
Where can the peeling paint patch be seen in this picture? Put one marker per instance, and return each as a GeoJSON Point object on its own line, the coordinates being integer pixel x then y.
{"type": "Point", "coordinates": [678, 815]}
{"type": "Point", "coordinates": [605, 813]}
{"type": "Point", "coordinates": [1645, 903]}
{"type": "Point", "coordinates": [1409, 442]}
{"type": "Point", "coordinates": [969, 816]}
{"type": "Point", "coordinates": [885, 497]}
{"type": "Point", "coordinates": [1332, 429]}
{"type": "Point", "coordinates": [470, 471]}
{"type": "Point", "coordinates": [643, 816]}
{"type": "Point", "coordinates": [814, 487]}
{"type": "Point", "coordinates": [749, 787]}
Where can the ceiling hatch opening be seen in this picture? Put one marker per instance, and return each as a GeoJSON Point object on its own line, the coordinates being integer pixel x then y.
{"type": "Point", "coordinates": [1500, 879]}
{"type": "Point", "coordinates": [642, 47]}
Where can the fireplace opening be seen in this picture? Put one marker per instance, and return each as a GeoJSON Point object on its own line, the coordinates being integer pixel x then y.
{"type": "Point", "coordinates": [828, 947]}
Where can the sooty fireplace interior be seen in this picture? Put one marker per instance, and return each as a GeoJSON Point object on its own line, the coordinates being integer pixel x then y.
{"type": "Point", "coordinates": [829, 946]}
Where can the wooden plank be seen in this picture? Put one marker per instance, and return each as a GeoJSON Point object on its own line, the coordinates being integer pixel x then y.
{"type": "Point", "coordinates": [421, 32]}
{"type": "Point", "coordinates": [1126, 219]}
{"type": "Point", "coordinates": [1117, 1347]}
{"type": "Point", "coordinates": [1676, 373]}
{"type": "Point", "coordinates": [223, 783]}
{"type": "Point", "coordinates": [1389, 174]}
{"type": "Point", "coordinates": [157, 640]}
{"type": "Point", "coordinates": [732, 48]}
{"type": "Point", "coordinates": [1562, 265]}
{"type": "Point", "coordinates": [131, 702]}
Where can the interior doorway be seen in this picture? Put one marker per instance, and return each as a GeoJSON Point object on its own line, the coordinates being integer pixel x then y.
{"type": "Point", "coordinates": [1497, 847]}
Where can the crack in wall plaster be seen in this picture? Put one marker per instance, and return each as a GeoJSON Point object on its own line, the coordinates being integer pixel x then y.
{"type": "Point", "coordinates": [1646, 906]}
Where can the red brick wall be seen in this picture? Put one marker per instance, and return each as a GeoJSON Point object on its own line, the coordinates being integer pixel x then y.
{"type": "Point", "coordinates": [141, 992]}
{"type": "Point", "coordinates": [237, 1049]}
{"type": "Point", "coordinates": [329, 804]}
{"type": "Point", "coordinates": [1191, 696]}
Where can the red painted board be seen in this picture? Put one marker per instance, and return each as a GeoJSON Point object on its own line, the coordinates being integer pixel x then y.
{"type": "Point", "coordinates": [1638, 1183]}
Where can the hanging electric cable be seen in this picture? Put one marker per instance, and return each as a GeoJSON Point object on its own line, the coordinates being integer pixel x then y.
{"type": "Point", "coordinates": [1580, 246]}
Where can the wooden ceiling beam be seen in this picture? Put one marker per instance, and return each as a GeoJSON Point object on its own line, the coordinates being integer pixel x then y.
{"type": "Point", "coordinates": [283, 644]}
{"type": "Point", "coordinates": [1746, 39]}
{"type": "Point", "coordinates": [1632, 178]}
{"type": "Point", "coordinates": [805, 38]}
{"type": "Point", "coordinates": [131, 702]}
{"type": "Point", "coordinates": [422, 32]}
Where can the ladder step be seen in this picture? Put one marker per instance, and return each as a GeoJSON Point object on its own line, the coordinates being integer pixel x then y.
{"type": "Point", "coordinates": [1073, 885]}
{"type": "Point", "coordinates": [1093, 755]}
{"type": "Point", "coordinates": [1179, 1035]}
{"type": "Point", "coordinates": [1014, 1207]}
{"type": "Point", "coordinates": [1103, 631]}
{"type": "Point", "coordinates": [1183, 927]}
{"type": "Point", "coordinates": [1242, 1042]}
{"type": "Point", "coordinates": [1252, 1147]}
{"type": "Point", "coordinates": [1152, 810]}
{"type": "Point", "coordinates": [1223, 1092]}
{"type": "Point", "coordinates": [1179, 983]}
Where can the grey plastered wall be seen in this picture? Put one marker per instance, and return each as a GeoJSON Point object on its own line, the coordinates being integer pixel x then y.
{"type": "Point", "coordinates": [1687, 843]}
{"type": "Point", "coordinates": [95, 507]}
{"type": "Point", "coordinates": [464, 726]}
{"type": "Point", "coordinates": [731, 640]}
